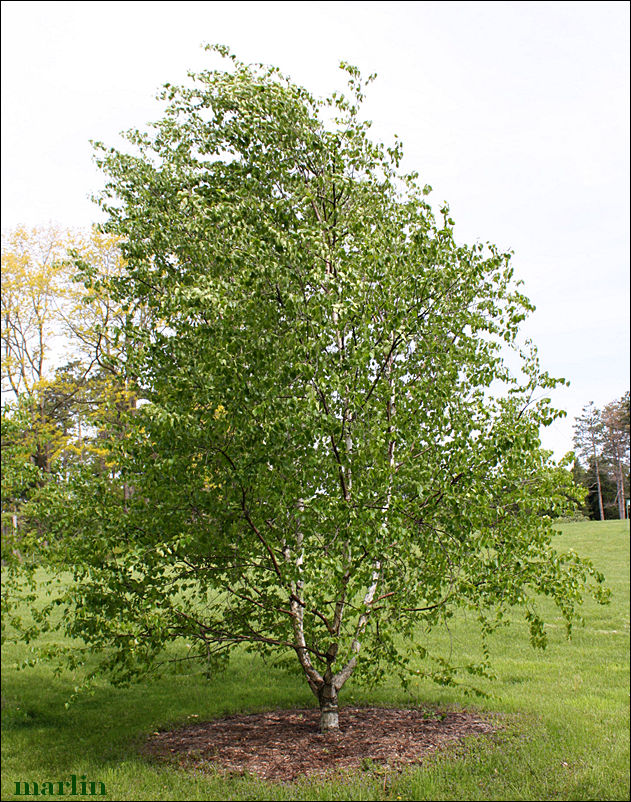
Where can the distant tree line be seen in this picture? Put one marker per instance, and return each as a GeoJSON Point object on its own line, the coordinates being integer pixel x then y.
{"type": "Point", "coordinates": [601, 442]}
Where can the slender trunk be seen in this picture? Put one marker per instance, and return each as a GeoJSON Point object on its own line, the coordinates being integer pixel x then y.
{"type": "Point", "coordinates": [623, 511]}
{"type": "Point", "coordinates": [615, 452]}
{"type": "Point", "coordinates": [620, 493]}
{"type": "Point", "coordinates": [619, 478]}
{"type": "Point", "coordinates": [600, 492]}
{"type": "Point", "coordinates": [296, 605]}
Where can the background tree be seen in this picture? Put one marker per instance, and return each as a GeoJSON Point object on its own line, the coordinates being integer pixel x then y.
{"type": "Point", "coordinates": [587, 441]}
{"type": "Point", "coordinates": [333, 457]}
{"type": "Point", "coordinates": [19, 475]}
{"type": "Point", "coordinates": [54, 347]}
{"type": "Point", "coordinates": [586, 477]}
{"type": "Point", "coordinates": [615, 417]}
{"type": "Point", "coordinates": [33, 294]}
{"type": "Point", "coordinates": [601, 438]}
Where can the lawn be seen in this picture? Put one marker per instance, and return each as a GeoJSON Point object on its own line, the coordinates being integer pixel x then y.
{"type": "Point", "coordinates": [566, 712]}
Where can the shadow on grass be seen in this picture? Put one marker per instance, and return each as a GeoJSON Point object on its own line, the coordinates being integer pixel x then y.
{"type": "Point", "coordinates": [108, 724]}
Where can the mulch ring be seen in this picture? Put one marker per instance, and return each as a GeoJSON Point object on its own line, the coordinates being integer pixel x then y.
{"type": "Point", "coordinates": [284, 744]}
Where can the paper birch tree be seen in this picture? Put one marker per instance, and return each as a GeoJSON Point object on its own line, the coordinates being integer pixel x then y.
{"type": "Point", "coordinates": [333, 457]}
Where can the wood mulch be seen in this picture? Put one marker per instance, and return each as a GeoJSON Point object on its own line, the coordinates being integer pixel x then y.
{"type": "Point", "coordinates": [284, 744]}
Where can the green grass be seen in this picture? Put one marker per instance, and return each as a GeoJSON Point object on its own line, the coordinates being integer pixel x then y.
{"type": "Point", "coordinates": [569, 739]}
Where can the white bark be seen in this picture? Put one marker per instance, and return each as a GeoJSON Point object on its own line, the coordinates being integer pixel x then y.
{"type": "Point", "coordinates": [296, 606]}
{"type": "Point", "coordinates": [329, 718]}
{"type": "Point", "coordinates": [341, 677]}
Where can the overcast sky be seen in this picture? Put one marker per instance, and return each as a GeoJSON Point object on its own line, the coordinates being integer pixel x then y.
{"type": "Point", "coordinates": [517, 114]}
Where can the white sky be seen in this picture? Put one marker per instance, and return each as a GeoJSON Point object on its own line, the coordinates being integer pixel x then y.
{"type": "Point", "coordinates": [517, 113]}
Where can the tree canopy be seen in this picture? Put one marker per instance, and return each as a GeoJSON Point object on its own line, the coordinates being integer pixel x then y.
{"type": "Point", "coordinates": [330, 455]}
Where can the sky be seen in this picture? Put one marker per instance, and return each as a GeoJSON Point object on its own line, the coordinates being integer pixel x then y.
{"type": "Point", "coordinates": [516, 113]}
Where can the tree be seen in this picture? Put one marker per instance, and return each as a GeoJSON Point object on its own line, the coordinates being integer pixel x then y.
{"type": "Point", "coordinates": [33, 294]}
{"type": "Point", "coordinates": [48, 313]}
{"type": "Point", "coordinates": [19, 475]}
{"type": "Point", "coordinates": [601, 437]}
{"type": "Point", "coordinates": [615, 418]}
{"type": "Point", "coordinates": [587, 437]}
{"type": "Point", "coordinates": [54, 349]}
{"type": "Point", "coordinates": [586, 477]}
{"type": "Point", "coordinates": [332, 457]}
